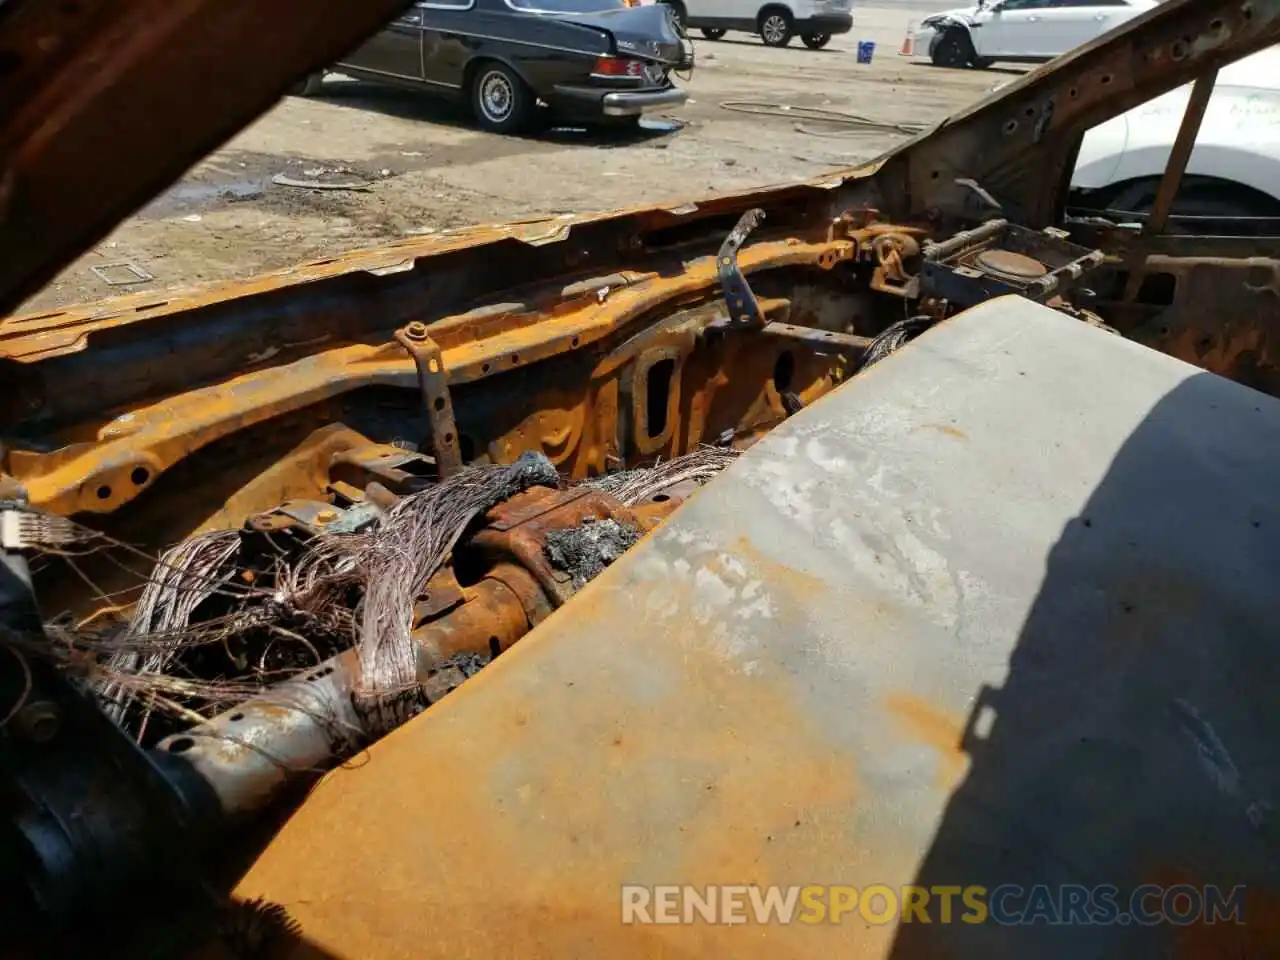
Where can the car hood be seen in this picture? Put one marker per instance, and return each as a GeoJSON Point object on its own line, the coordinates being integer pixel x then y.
{"type": "Point", "coordinates": [646, 31]}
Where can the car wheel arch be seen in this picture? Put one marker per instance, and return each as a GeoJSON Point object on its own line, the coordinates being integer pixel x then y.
{"type": "Point", "coordinates": [769, 8]}
{"type": "Point", "coordinates": [1136, 194]}
{"type": "Point", "coordinates": [474, 65]}
{"type": "Point", "coordinates": [953, 30]}
{"type": "Point", "coordinates": [1212, 165]}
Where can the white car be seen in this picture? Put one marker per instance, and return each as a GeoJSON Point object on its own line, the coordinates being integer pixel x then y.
{"type": "Point", "coordinates": [1234, 170]}
{"type": "Point", "coordinates": [1021, 31]}
{"type": "Point", "coordinates": [776, 21]}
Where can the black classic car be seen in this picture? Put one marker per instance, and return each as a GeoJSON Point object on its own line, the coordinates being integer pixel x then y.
{"type": "Point", "coordinates": [584, 59]}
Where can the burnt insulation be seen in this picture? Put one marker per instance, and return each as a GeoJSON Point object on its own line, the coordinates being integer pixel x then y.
{"type": "Point", "coordinates": [582, 552]}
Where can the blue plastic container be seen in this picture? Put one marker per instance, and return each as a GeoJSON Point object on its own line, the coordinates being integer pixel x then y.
{"type": "Point", "coordinates": [866, 50]}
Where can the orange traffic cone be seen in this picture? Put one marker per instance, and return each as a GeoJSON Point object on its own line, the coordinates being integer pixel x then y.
{"type": "Point", "coordinates": [909, 41]}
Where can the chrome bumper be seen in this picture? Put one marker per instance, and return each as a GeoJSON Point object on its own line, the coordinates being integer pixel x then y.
{"type": "Point", "coordinates": [626, 103]}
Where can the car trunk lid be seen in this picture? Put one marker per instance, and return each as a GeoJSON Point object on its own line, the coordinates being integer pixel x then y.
{"type": "Point", "coordinates": [647, 32]}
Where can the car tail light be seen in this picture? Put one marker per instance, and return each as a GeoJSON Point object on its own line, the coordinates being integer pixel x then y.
{"type": "Point", "coordinates": [619, 67]}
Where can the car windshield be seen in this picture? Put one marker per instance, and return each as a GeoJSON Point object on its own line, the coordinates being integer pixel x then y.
{"type": "Point", "coordinates": [567, 6]}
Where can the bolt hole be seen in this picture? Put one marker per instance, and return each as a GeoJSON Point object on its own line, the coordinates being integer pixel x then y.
{"type": "Point", "coordinates": [1010, 126]}
{"type": "Point", "coordinates": [935, 174]}
{"type": "Point", "coordinates": [140, 476]}
{"type": "Point", "coordinates": [1073, 93]}
{"type": "Point", "coordinates": [439, 403]}
{"type": "Point", "coordinates": [495, 647]}
{"type": "Point", "coordinates": [104, 492]}
{"type": "Point", "coordinates": [236, 717]}
{"type": "Point", "coordinates": [448, 439]}
{"type": "Point", "coordinates": [1215, 25]}
{"type": "Point", "coordinates": [1205, 343]}
{"type": "Point", "coordinates": [660, 498]}
{"type": "Point", "coordinates": [484, 368]}
{"type": "Point", "coordinates": [1247, 12]}
{"type": "Point", "coordinates": [575, 341]}
{"type": "Point", "coordinates": [181, 745]}
{"type": "Point", "coordinates": [515, 358]}
{"type": "Point", "coordinates": [1030, 111]}
{"type": "Point", "coordinates": [1106, 79]}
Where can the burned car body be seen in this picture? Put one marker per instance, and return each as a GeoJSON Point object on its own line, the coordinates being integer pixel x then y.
{"type": "Point", "coordinates": [722, 705]}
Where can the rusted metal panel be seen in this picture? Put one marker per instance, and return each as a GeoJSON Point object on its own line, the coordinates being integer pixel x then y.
{"type": "Point", "coordinates": [1019, 519]}
{"type": "Point", "coordinates": [136, 446]}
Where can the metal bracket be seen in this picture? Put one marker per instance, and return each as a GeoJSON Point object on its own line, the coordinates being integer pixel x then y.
{"type": "Point", "coordinates": [820, 340]}
{"type": "Point", "coordinates": [434, 383]}
{"type": "Point", "coordinates": [743, 308]}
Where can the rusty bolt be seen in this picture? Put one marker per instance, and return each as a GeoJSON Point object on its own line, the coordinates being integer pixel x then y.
{"type": "Point", "coordinates": [39, 720]}
{"type": "Point", "coordinates": [416, 330]}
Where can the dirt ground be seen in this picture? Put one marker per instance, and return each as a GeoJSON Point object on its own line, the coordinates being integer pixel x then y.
{"type": "Point", "coordinates": [426, 168]}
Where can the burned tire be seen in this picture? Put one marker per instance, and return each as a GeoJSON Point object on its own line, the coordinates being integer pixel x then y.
{"type": "Point", "coordinates": [500, 100]}
{"type": "Point", "coordinates": [954, 49]}
{"type": "Point", "coordinates": [308, 87]}
{"type": "Point", "coordinates": [712, 33]}
{"type": "Point", "coordinates": [816, 41]}
{"type": "Point", "coordinates": [776, 27]}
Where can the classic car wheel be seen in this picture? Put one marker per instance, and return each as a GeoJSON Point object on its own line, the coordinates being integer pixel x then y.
{"type": "Point", "coordinates": [954, 49]}
{"type": "Point", "coordinates": [712, 33]}
{"type": "Point", "coordinates": [678, 12]}
{"type": "Point", "coordinates": [816, 41]}
{"type": "Point", "coordinates": [775, 28]}
{"type": "Point", "coordinates": [501, 101]}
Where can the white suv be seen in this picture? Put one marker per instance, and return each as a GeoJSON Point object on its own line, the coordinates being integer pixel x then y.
{"type": "Point", "coordinates": [776, 21]}
{"type": "Point", "coordinates": [1025, 31]}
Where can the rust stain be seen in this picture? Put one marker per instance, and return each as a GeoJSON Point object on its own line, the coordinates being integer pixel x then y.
{"type": "Point", "coordinates": [504, 822]}
{"type": "Point", "coordinates": [797, 583]}
{"type": "Point", "coordinates": [1255, 937]}
{"type": "Point", "coordinates": [947, 430]}
{"type": "Point", "coordinates": [929, 725]}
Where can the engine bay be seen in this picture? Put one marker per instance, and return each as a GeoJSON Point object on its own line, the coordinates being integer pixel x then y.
{"type": "Point", "coordinates": [269, 523]}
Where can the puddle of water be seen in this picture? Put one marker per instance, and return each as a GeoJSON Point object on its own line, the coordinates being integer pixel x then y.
{"type": "Point", "coordinates": [190, 194]}
{"type": "Point", "coordinates": [196, 192]}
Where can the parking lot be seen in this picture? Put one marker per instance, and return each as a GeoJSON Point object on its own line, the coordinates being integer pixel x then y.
{"type": "Point", "coordinates": [421, 166]}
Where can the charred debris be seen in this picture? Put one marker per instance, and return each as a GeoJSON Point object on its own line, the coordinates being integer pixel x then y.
{"type": "Point", "coordinates": [366, 590]}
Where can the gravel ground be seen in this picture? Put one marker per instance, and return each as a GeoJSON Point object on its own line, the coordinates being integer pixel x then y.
{"type": "Point", "coordinates": [429, 169]}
